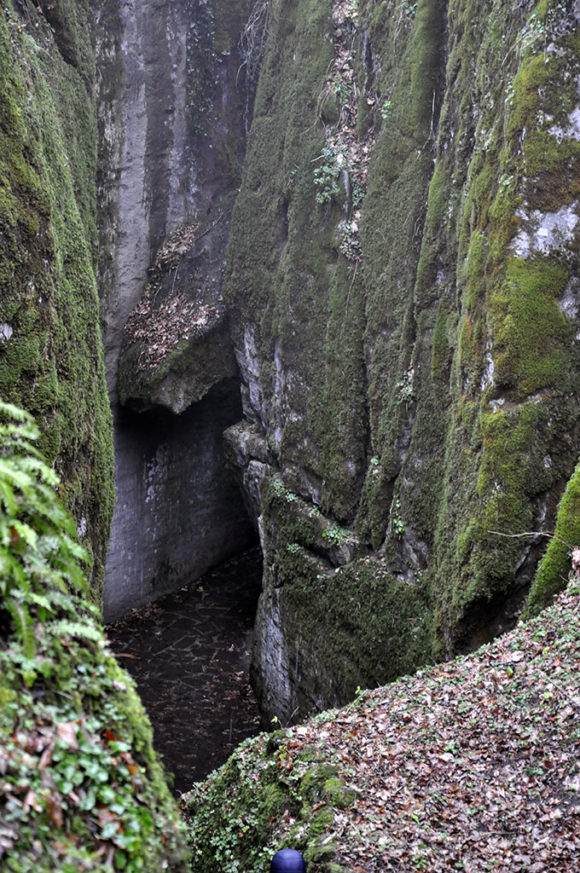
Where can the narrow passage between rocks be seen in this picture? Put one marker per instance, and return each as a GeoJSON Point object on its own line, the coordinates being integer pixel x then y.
{"type": "Point", "coordinates": [189, 654]}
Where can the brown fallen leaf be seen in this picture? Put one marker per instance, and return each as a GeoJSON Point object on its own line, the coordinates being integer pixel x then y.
{"type": "Point", "coordinates": [67, 732]}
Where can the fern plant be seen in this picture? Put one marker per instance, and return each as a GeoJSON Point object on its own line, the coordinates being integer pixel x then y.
{"type": "Point", "coordinates": [40, 561]}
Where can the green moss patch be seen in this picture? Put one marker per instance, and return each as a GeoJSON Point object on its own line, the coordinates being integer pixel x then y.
{"type": "Point", "coordinates": [554, 569]}
{"type": "Point", "coordinates": [234, 816]}
{"type": "Point", "coordinates": [51, 362]}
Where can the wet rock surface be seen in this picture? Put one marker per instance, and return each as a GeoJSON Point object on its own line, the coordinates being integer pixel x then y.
{"type": "Point", "coordinates": [189, 654]}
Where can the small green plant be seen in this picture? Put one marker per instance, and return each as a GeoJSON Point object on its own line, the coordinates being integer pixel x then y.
{"type": "Point", "coordinates": [420, 861]}
{"type": "Point", "coordinates": [408, 8]}
{"type": "Point", "coordinates": [280, 490]}
{"type": "Point", "coordinates": [404, 387]}
{"type": "Point", "coordinates": [341, 91]}
{"type": "Point", "coordinates": [397, 522]}
{"type": "Point", "coordinates": [533, 31]}
{"type": "Point", "coordinates": [358, 193]}
{"type": "Point", "coordinates": [350, 244]}
{"type": "Point", "coordinates": [505, 183]}
{"type": "Point", "coordinates": [555, 23]}
{"type": "Point", "coordinates": [293, 548]}
{"type": "Point", "coordinates": [386, 109]}
{"type": "Point", "coordinates": [336, 535]}
{"type": "Point", "coordinates": [559, 21]}
{"type": "Point", "coordinates": [37, 537]}
{"type": "Point", "coordinates": [510, 92]}
{"type": "Point", "coordinates": [327, 176]}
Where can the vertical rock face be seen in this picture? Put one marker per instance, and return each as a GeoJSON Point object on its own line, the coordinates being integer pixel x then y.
{"type": "Point", "coordinates": [51, 358]}
{"type": "Point", "coordinates": [172, 134]}
{"type": "Point", "coordinates": [401, 279]}
{"type": "Point", "coordinates": [142, 57]}
{"type": "Point", "coordinates": [173, 517]}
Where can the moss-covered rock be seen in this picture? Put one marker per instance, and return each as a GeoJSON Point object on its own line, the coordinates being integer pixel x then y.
{"type": "Point", "coordinates": [50, 352]}
{"type": "Point", "coordinates": [331, 619]}
{"type": "Point", "coordinates": [176, 343]}
{"type": "Point", "coordinates": [554, 567]}
{"type": "Point", "coordinates": [234, 816]}
{"type": "Point", "coordinates": [420, 388]}
{"type": "Point", "coordinates": [511, 443]}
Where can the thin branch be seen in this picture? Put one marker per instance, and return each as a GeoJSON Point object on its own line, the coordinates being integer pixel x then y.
{"type": "Point", "coordinates": [533, 533]}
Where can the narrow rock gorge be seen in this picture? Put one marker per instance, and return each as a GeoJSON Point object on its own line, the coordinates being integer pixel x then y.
{"type": "Point", "coordinates": [332, 247]}
{"type": "Point", "coordinates": [172, 107]}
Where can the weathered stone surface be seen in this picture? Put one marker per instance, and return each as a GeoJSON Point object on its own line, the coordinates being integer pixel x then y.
{"type": "Point", "coordinates": [201, 359]}
{"type": "Point", "coordinates": [51, 360]}
{"type": "Point", "coordinates": [173, 105]}
{"type": "Point", "coordinates": [248, 454]}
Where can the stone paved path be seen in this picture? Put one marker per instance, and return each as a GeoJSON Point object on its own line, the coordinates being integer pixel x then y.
{"type": "Point", "coordinates": [189, 654]}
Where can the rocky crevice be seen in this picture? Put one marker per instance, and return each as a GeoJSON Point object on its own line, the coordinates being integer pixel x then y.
{"type": "Point", "coordinates": [386, 274]}
{"type": "Point", "coordinates": [172, 138]}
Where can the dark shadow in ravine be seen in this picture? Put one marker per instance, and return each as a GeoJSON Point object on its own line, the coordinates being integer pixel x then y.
{"type": "Point", "coordinates": [189, 654]}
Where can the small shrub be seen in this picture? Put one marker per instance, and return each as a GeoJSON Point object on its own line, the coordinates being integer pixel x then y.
{"type": "Point", "coordinates": [327, 176]}
{"type": "Point", "coordinates": [396, 520]}
{"type": "Point", "coordinates": [336, 535]}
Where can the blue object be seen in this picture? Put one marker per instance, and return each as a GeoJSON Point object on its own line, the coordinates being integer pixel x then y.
{"type": "Point", "coordinates": [287, 861]}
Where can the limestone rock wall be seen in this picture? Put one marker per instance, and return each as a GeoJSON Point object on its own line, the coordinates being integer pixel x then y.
{"type": "Point", "coordinates": [399, 300]}
{"type": "Point", "coordinates": [401, 282]}
{"type": "Point", "coordinates": [179, 511]}
{"type": "Point", "coordinates": [172, 137]}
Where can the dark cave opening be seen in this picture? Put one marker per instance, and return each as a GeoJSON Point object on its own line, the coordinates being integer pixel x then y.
{"type": "Point", "coordinates": [179, 510]}
{"type": "Point", "coordinates": [183, 579]}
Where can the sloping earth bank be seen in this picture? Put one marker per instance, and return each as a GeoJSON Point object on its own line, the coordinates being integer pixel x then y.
{"type": "Point", "coordinates": [472, 765]}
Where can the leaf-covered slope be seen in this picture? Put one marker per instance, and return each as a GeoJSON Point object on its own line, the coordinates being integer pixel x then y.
{"type": "Point", "coordinates": [80, 786]}
{"type": "Point", "coordinates": [473, 765]}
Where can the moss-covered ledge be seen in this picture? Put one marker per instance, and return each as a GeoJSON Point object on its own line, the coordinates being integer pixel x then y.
{"type": "Point", "coordinates": [331, 617]}
{"type": "Point", "coordinates": [176, 342]}
{"type": "Point", "coordinates": [274, 792]}
{"type": "Point", "coordinates": [193, 363]}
